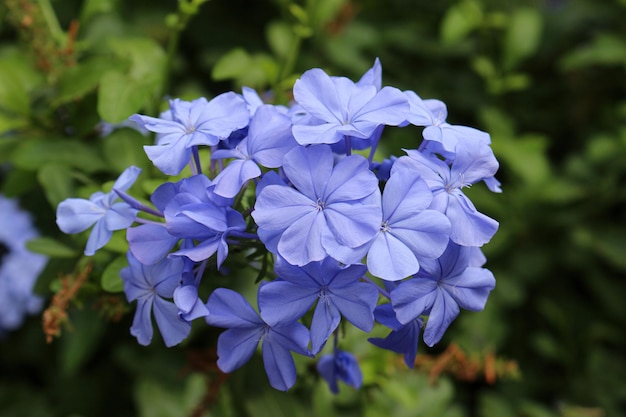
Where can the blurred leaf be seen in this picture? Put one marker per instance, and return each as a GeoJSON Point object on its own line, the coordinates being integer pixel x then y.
{"type": "Point", "coordinates": [120, 96]}
{"type": "Point", "coordinates": [111, 280]}
{"type": "Point", "coordinates": [326, 10]}
{"type": "Point", "coordinates": [279, 37]}
{"type": "Point", "coordinates": [522, 36]}
{"type": "Point", "coordinates": [604, 49]}
{"type": "Point", "coordinates": [232, 65]}
{"type": "Point", "coordinates": [50, 247]}
{"type": "Point", "coordinates": [408, 394]}
{"type": "Point", "coordinates": [17, 79]}
{"type": "Point", "coordinates": [255, 71]}
{"type": "Point", "coordinates": [81, 79]}
{"type": "Point", "coordinates": [146, 56]}
{"type": "Point", "coordinates": [57, 183]}
{"type": "Point", "coordinates": [272, 403]}
{"type": "Point", "coordinates": [80, 344]}
{"type": "Point", "coordinates": [91, 8]}
{"type": "Point", "coordinates": [609, 244]}
{"type": "Point", "coordinates": [18, 181]}
{"type": "Point", "coordinates": [460, 20]}
{"type": "Point", "coordinates": [155, 399]}
{"type": "Point", "coordinates": [33, 153]}
{"type": "Point", "coordinates": [123, 148]}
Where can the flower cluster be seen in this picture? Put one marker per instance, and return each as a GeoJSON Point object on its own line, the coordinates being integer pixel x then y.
{"type": "Point", "coordinates": [19, 268]}
{"type": "Point", "coordinates": [394, 242]}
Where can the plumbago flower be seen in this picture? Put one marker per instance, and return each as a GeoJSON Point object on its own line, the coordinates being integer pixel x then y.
{"type": "Point", "coordinates": [189, 124]}
{"type": "Point", "coordinates": [334, 237]}
{"type": "Point", "coordinates": [337, 290]}
{"type": "Point", "coordinates": [19, 267]}
{"type": "Point", "coordinates": [340, 366]}
{"type": "Point", "coordinates": [330, 207]}
{"type": "Point", "coordinates": [441, 288]}
{"type": "Point", "coordinates": [246, 329]}
{"type": "Point", "coordinates": [75, 215]}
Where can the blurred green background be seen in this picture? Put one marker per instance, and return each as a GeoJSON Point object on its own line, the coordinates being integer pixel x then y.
{"type": "Point", "coordinates": [547, 80]}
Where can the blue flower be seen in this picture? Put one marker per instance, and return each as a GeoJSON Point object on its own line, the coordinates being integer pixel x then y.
{"type": "Point", "coordinates": [403, 338]}
{"type": "Point", "coordinates": [343, 108]}
{"type": "Point", "coordinates": [19, 268]}
{"type": "Point", "coordinates": [75, 215]}
{"type": "Point", "coordinates": [269, 139]}
{"type": "Point", "coordinates": [332, 206]}
{"type": "Point", "coordinates": [473, 162]}
{"type": "Point", "coordinates": [199, 122]}
{"type": "Point", "coordinates": [235, 346]}
{"type": "Point", "coordinates": [336, 289]}
{"type": "Point", "coordinates": [432, 114]}
{"type": "Point", "coordinates": [441, 288]}
{"type": "Point", "coordinates": [151, 285]}
{"type": "Point", "coordinates": [192, 211]}
{"type": "Point", "coordinates": [186, 295]}
{"type": "Point", "coordinates": [340, 366]}
{"type": "Point", "coordinates": [409, 232]}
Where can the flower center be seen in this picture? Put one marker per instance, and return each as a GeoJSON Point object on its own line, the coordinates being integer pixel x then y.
{"type": "Point", "coordinates": [320, 205]}
{"type": "Point", "coordinates": [384, 226]}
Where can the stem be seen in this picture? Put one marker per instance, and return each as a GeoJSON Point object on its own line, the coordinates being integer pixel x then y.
{"type": "Point", "coordinates": [51, 20]}
{"type": "Point", "coordinates": [380, 290]}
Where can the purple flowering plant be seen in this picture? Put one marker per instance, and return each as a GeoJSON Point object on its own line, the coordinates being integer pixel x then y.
{"type": "Point", "coordinates": [337, 234]}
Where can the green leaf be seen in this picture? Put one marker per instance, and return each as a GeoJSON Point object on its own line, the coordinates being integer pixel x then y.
{"type": "Point", "coordinates": [279, 37]}
{"type": "Point", "coordinates": [17, 80]}
{"type": "Point", "coordinates": [33, 153]}
{"type": "Point", "coordinates": [50, 247]}
{"type": "Point", "coordinates": [121, 95]}
{"type": "Point", "coordinates": [326, 11]}
{"type": "Point", "coordinates": [78, 81]}
{"type": "Point", "coordinates": [123, 148]}
{"type": "Point", "coordinates": [93, 7]}
{"type": "Point", "coordinates": [460, 20]}
{"type": "Point", "coordinates": [605, 49]}
{"type": "Point", "coordinates": [154, 399]}
{"type": "Point", "coordinates": [79, 345]}
{"type": "Point", "coordinates": [111, 280]}
{"type": "Point", "coordinates": [146, 57]}
{"type": "Point", "coordinates": [522, 37]}
{"type": "Point", "coordinates": [56, 180]}
{"type": "Point", "coordinates": [232, 65]}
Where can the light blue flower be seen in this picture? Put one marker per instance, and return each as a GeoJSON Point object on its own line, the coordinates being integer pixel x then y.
{"type": "Point", "coordinates": [189, 124]}
{"type": "Point", "coordinates": [152, 286]}
{"type": "Point", "coordinates": [19, 268]}
{"type": "Point", "coordinates": [331, 207]}
{"type": "Point", "coordinates": [235, 346]}
{"type": "Point", "coordinates": [75, 215]}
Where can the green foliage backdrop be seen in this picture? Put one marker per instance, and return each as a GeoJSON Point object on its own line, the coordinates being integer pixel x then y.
{"type": "Point", "coordinates": [547, 80]}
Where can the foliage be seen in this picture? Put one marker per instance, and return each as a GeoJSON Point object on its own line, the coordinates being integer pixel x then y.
{"type": "Point", "coordinates": [546, 79]}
